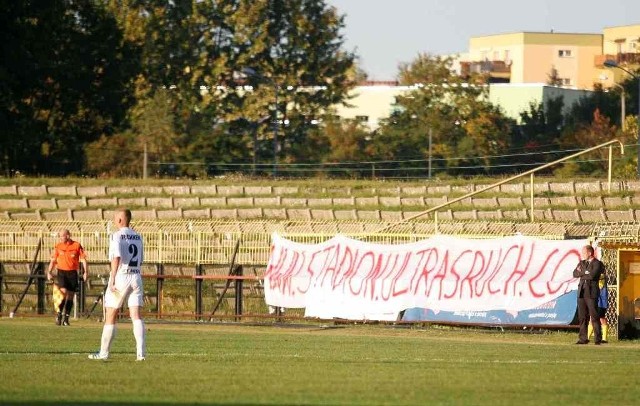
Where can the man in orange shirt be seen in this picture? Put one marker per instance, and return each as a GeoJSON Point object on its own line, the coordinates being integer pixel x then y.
{"type": "Point", "coordinates": [66, 257]}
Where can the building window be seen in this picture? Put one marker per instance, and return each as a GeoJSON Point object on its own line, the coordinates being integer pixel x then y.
{"type": "Point", "coordinates": [564, 53]}
{"type": "Point", "coordinates": [566, 81]}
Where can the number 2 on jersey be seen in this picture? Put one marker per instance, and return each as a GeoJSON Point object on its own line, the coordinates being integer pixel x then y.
{"type": "Point", "coordinates": [133, 250]}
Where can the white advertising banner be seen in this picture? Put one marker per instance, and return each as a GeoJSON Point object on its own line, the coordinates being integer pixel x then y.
{"type": "Point", "coordinates": [351, 279]}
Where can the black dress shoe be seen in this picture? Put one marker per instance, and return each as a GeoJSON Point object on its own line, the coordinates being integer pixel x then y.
{"type": "Point", "coordinates": [598, 342]}
{"type": "Point", "coordinates": [582, 342]}
{"type": "Point", "coordinates": [604, 342]}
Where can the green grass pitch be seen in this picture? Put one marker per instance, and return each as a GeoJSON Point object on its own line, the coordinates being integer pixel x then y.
{"type": "Point", "coordinates": [41, 364]}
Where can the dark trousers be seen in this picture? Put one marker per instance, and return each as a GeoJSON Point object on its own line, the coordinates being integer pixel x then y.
{"type": "Point", "coordinates": [587, 309]}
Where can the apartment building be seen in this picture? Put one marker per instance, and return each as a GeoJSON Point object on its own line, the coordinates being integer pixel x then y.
{"type": "Point", "coordinates": [519, 66]}
{"type": "Point", "coordinates": [515, 98]}
{"type": "Point", "coordinates": [371, 102]}
{"type": "Point", "coordinates": [535, 57]}
{"type": "Point", "coordinates": [622, 42]}
{"type": "Point", "coordinates": [374, 101]}
{"type": "Point", "coordinates": [622, 45]}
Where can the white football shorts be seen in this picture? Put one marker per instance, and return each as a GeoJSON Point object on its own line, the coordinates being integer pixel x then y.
{"type": "Point", "coordinates": [129, 287]}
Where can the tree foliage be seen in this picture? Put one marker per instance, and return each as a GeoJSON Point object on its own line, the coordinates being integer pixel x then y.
{"type": "Point", "coordinates": [152, 130]}
{"type": "Point", "coordinates": [541, 125]}
{"type": "Point", "coordinates": [74, 73]}
{"type": "Point", "coordinates": [88, 86]}
{"type": "Point", "coordinates": [196, 49]}
{"type": "Point", "coordinates": [466, 131]}
{"type": "Point", "coordinates": [65, 80]}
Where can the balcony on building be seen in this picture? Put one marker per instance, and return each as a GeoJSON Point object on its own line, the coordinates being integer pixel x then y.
{"type": "Point", "coordinates": [621, 59]}
{"type": "Point", "coordinates": [495, 71]}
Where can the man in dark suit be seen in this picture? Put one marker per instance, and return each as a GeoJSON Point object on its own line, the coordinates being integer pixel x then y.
{"type": "Point", "coordinates": [589, 271]}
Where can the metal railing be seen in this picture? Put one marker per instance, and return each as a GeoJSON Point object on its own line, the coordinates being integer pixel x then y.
{"type": "Point", "coordinates": [188, 255]}
{"type": "Point", "coordinates": [212, 242]}
{"type": "Point", "coordinates": [512, 178]}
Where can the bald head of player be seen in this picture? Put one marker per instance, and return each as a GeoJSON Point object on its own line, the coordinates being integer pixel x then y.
{"type": "Point", "coordinates": [122, 217]}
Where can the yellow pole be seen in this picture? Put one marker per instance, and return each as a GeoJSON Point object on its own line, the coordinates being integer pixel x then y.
{"type": "Point", "coordinates": [531, 196]}
{"type": "Point", "coordinates": [610, 165]}
{"type": "Point", "coordinates": [199, 248]}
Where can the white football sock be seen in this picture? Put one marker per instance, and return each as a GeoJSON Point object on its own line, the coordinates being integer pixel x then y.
{"type": "Point", "coordinates": [108, 332]}
{"type": "Point", "coordinates": [138, 333]}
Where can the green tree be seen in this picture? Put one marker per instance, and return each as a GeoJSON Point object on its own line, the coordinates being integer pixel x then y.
{"type": "Point", "coordinates": [541, 125]}
{"type": "Point", "coordinates": [344, 147]}
{"type": "Point", "coordinates": [628, 165]}
{"type": "Point", "coordinates": [582, 112]}
{"type": "Point", "coordinates": [537, 138]}
{"type": "Point", "coordinates": [189, 50]}
{"type": "Point", "coordinates": [155, 129]}
{"type": "Point", "coordinates": [152, 130]}
{"type": "Point", "coordinates": [599, 131]}
{"type": "Point", "coordinates": [487, 139]}
{"type": "Point", "coordinates": [114, 156]}
{"type": "Point", "coordinates": [596, 117]}
{"type": "Point", "coordinates": [465, 129]}
{"type": "Point", "coordinates": [347, 141]}
{"type": "Point", "coordinates": [305, 58]}
{"type": "Point", "coordinates": [65, 72]}
{"type": "Point", "coordinates": [196, 49]}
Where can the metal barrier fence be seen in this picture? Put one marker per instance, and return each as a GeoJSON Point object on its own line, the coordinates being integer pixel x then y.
{"type": "Point", "coordinates": [191, 259]}
{"type": "Point", "coordinates": [212, 242]}
{"type": "Point", "coordinates": [203, 287]}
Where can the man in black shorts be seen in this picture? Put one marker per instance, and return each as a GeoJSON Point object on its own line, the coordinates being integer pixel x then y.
{"type": "Point", "coordinates": [66, 257]}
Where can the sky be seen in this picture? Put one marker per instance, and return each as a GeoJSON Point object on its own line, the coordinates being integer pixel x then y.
{"type": "Point", "coordinates": [384, 33]}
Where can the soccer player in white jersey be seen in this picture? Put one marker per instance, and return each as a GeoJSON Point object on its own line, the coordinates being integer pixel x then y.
{"type": "Point", "coordinates": [125, 283]}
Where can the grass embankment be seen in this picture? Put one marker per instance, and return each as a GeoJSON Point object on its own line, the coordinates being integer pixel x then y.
{"type": "Point", "coordinates": [222, 364]}
{"type": "Point", "coordinates": [250, 181]}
